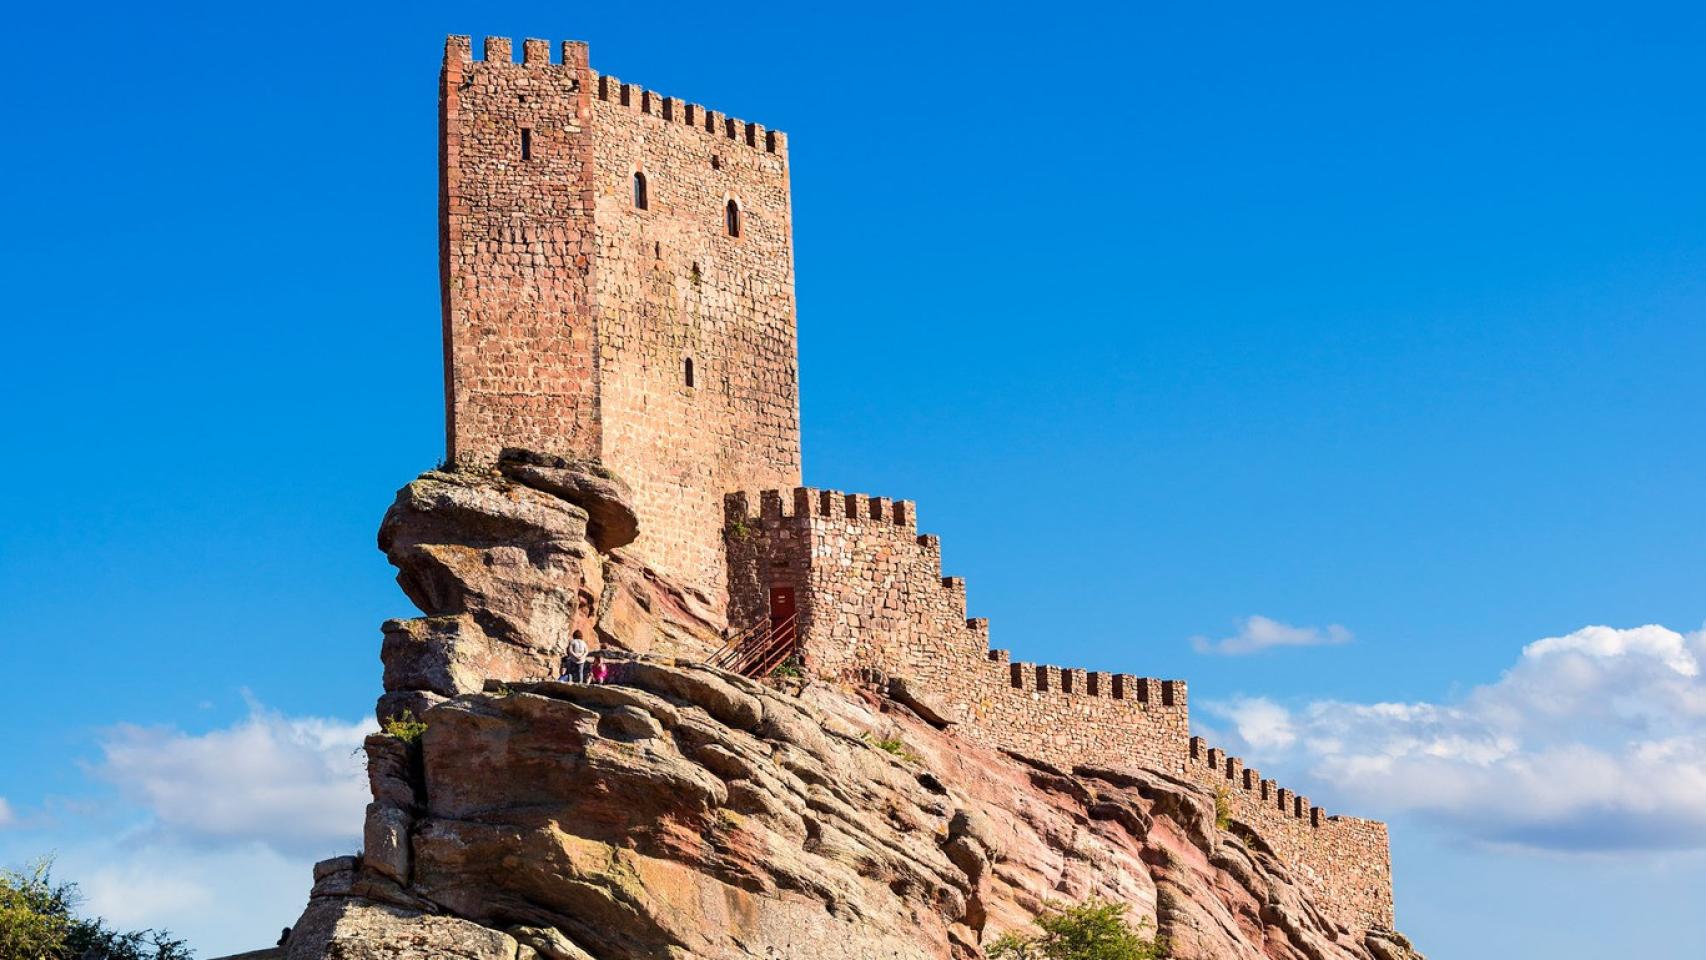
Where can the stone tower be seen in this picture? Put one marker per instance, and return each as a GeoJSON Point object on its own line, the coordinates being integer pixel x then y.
{"type": "Point", "coordinates": [618, 284]}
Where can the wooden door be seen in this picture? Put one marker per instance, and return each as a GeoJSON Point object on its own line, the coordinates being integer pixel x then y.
{"type": "Point", "coordinates": [782, 622]}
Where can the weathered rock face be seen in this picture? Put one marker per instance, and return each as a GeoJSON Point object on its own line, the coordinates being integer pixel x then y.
{"type": "Point", "coordinates": [609, 504]}
{"type": "Point", "coordinates": [507, 564]}
{"type": "Point", "coordinates": [682, 812]}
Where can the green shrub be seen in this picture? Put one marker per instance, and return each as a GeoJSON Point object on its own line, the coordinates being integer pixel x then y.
{"type": "Point", "coordinates": [790, 668]}
{"type": "Point", "coordinates": [34, 915]}
{"type": "Point", "coordinates": [38, 922]}
{"type": "Point", "coordinates": [405, 727]}
{"type": "Point", "coordinates": [1092, 930]}
{"type": "Point", "coordinates": [1222, 808]}
{"type": "Point", "coordinates": [894, 745]}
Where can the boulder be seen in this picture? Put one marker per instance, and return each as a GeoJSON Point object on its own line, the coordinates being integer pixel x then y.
{"type": "Point", "coordinates": [926, 706]}
{"type": "Point", "coordinates": [385, 841]}
{"type": "Point", "coordinates": [609, 504]}
{"type": "Point", "coordinates": [391, 773]}
{"type": "Point", "coordinates": [347, 928]}
{"type": "Point", "coordinates": [549, 943]}
{"type": "Point", "coordinates": [503, 568]}
{"type": "Point", "coordinates": [513, 558]}
{"type": "Point", "coordinates": [406, 703]}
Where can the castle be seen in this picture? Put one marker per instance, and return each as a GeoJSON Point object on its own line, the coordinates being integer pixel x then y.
{"type": "Point", "coordinates": [618, 286]}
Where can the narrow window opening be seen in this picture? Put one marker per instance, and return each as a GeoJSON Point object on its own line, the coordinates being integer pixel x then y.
{"type": "Point", "coordinates": [526, 144]}
{"type": "Point", "coordinates": [657, 250]}
{"type": "Point", "coordinates": [697, 276]}
{"type": "Point", "coordinates": [687, 369]}
{"type": "Point", "coordinates": [731, 218]}
{"type": "Point", "coordinates": [639, 191]}
{"type": "Point", "coordinates": [716, 162]}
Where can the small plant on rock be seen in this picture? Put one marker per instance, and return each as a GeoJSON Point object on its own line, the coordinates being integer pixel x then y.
{"type": "Point", "coordinates": [894, 745]}
{"type": "Point", "coordinates": [405, 727]}
{"type": "Point", "coordinates": [790, 669]}
{"type": "Point", "coordinates": [1222, 808]}
{"type": "Point", "coordinates": [1092, 930]}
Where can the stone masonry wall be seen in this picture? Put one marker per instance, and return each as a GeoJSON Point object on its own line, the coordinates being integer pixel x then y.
{"type": "Point", "coordinates": [1346, 859]}
{"type": "Point", "coordinates": [515, 238]}
{"type": "Point", "coordinates": [871, 599]}
{"type": "Point", "coordinates": [572, 311]}
{"type": "Point", "coordinates": [674, 287]}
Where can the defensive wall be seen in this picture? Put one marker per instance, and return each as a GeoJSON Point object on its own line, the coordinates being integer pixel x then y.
{"type": "Point", "coordinates": [618, 286]}
{"type": "Point", "coordinates": [870, 597]}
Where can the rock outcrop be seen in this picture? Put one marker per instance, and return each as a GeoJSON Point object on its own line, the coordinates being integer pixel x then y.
{"type": "Point", "coordinates": [682, 812]}
{"type": "Point", "coordinates": [507, 564]}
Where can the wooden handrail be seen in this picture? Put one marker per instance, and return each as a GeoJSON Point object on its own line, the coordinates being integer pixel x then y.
{"type": "Point", "coordinates": [759, 649]}
{"type": "Point", "coordinates": [727, 650]}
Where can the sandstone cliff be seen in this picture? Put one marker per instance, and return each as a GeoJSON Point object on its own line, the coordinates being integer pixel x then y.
{"type": "Point", "coordinates": [683, 812]}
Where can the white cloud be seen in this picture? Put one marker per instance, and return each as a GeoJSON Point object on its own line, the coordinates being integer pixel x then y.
{"type": "Point", "coordinates": [1261, 723]}
{"type": "Point", "coordinates": [220, 831]}
{"type": "Point", "coordinates": [1604, 643]}
{"type": "Point", "coordinates": [7, 817]}
{"type": "Point", "coordinates": [294, 784]}
{"type": "Point", "coordinates": [226, 899]}
{"type": "Point", "coordinates": [1259, 633]}
{"type": "Point", "coordinates": [1592, 740]}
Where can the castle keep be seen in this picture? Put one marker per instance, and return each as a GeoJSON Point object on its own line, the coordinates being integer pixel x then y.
{"type": "Point", "coordinates": [618, 286]}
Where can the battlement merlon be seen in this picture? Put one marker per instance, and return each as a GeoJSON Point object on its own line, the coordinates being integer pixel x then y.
{"type": "Point", "coordinates": [802, 503]}
{"type": "Point", "coordinates": [459, 51]}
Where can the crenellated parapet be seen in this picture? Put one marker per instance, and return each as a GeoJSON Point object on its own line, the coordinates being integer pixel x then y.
{"type": "Point", "coordinates": [1229, 773]}
{"type": "Point", "coordinates": [872, 602]}
{"type": "Point", "coordinates": [537, 54]}
{"type": "Point", "coordinates": [672, 110]}
{"type": "Point", "coordinates": [809, 502]}
{"type": "Point", "coordinates": [1347, 859]}
{"type": "Point", "coordinates": [1092, 683]}
{"type": "Point", "coordinates": [870, 595]}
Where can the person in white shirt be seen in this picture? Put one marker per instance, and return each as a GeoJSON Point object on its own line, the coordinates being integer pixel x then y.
{"type": "Point", "coordinates": [575, 664]}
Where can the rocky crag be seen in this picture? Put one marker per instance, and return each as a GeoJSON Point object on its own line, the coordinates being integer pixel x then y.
{"type": "Point", "coordinates": [683, 812]}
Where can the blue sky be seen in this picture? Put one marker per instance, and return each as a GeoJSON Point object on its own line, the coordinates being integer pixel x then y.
{"type": "Point", "coordinates": [1169, 317]}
